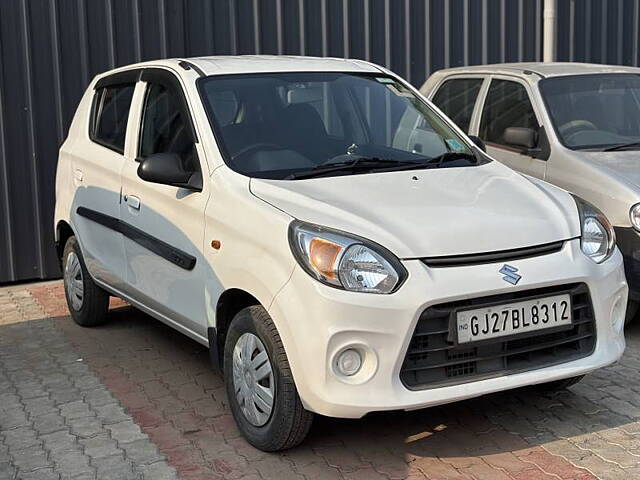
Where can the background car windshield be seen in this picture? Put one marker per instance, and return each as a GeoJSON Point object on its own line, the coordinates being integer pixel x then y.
{"type": "Point", "coordinates": [594, 111]}
{"type": "Point", "coordinates": [273, 125]}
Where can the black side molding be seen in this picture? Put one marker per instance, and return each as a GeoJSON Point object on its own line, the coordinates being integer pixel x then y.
{"type": "Point", "coordinates": [172, 254]}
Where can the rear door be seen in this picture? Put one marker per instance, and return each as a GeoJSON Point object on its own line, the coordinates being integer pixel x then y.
{"type": "Point", "coordinates": [507, 103]}
{"type": "Point", "coordinates": [97, 162]}
{"type": "Point", "coordinates": [164, 225]}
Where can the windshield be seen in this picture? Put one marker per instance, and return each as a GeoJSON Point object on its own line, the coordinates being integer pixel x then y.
{"type": "Point", "coordinates": [594, 111]}
{"type": "Point", "coordinates": [279, 125]}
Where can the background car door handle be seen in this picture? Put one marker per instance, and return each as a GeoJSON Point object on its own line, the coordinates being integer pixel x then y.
{"type": "Point", "coordinates": [132, 201]}
{"type": "Point", "coordinates": [78, 176]}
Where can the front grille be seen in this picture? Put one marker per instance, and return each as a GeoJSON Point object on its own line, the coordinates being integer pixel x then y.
{"type": "Point", "coordinates": [493, 257]}
{"type": "Point", "coordinates": [434, 359]}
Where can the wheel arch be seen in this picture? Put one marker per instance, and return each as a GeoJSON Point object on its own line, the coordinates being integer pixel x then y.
{"type": "Point", "coordinates": [63, 233]}
{"type": "Point", "coordinates": [232, 301]}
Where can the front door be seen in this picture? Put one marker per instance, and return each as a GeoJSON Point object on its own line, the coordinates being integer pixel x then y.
{"type": "Point", "coordinates": [164, 225]}
{"type": "Point", "coordinates": [508, 104]}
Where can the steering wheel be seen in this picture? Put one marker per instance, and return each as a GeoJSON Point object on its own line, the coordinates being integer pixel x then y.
{"type": "Point", "coordinates": [255, 147]}
{"type": "Point", "coordinates": [574, 126]}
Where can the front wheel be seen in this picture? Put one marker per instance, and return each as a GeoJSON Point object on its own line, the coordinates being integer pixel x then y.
{"type": "Point", "coordinates": [263, 396]}
{"type": "Point", "coordinates": [87, 302]}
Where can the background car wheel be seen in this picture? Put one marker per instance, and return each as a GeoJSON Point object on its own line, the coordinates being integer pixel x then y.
{"type": "Point", "coordinates": [87, 302]}
{"type": "Point", "coordinates": [559, 385]}
{"type": "Point", "coordinates": [263, 396]}
{"type": "Point", "coordinates": [632, 309]}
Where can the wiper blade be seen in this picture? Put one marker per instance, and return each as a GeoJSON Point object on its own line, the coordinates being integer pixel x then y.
{"type": "Point", "coordinates": [364, 163]}
{"type": "Point", "coordinates": [622, 146]}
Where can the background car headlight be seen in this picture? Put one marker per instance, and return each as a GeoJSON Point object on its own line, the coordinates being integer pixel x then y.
{"type": "Point", "coordinates": [598, 239]}
{"type": "Point", "coordinates": [345, 261]}
{"type": "Point", "coordinates": [634, 216]}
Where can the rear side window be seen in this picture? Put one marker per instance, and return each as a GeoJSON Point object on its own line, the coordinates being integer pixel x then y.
{"type": "Point", "coordinates": [507, 105]}
{"type": "Point", "coordinates": [456, 98]}
{"type": "Point", "coordinates": [110, 113]}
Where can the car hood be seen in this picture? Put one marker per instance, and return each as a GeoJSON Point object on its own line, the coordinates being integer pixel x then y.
{"type": "Point", "coordinates": [624, 165]}
{"type": "Point", "coordinates": [434, 212]}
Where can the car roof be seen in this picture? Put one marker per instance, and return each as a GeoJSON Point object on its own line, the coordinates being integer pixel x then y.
{"type": "Point", "coordinates": [221, 65]}
{"type": "Point", "coordinates": [278, 63]}
{"type": "Point", "coordinates": [550, 69]}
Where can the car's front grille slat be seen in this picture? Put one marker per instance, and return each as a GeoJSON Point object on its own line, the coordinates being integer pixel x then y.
{"type": "Point", "coordinates": [433, 359]}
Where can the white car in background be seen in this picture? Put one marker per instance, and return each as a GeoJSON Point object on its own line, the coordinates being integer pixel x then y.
{"type": "Point", "coordinates": [574, 125]}
{"type": "Point", "coordinates": [337, 244]}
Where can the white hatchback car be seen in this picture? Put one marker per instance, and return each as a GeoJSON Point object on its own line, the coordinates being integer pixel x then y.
{"type": "Point", "coordinates": [339, 245]}
{"type": "Point", "coordinates": [572, 124]}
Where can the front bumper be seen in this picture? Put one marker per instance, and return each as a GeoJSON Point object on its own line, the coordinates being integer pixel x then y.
{"type": "Point", "coordinates": [317, 322]}
{"type": "Point", "coordinates": [628, 241]}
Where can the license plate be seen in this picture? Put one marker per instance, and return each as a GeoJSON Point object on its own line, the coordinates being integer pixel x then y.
{"type": "Point", "coordinates": [513, 318]}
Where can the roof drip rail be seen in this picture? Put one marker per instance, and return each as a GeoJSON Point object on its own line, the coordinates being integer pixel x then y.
{"type": "Point", "coordinates": [531, 72]}
{"type": "Point", "coordinates": [191, 66]}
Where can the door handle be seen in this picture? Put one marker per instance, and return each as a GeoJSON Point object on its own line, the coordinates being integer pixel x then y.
{"type": "Point", "coordinates": [132, 201]}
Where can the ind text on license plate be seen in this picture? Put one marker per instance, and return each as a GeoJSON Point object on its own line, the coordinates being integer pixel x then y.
{"type": "Point", "coordinates": [513, 318]}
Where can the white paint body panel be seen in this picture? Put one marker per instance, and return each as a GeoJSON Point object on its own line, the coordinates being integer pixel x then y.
{"type": "Point", "coordinates": [446, 211]}
{"type": "Point", "coordinates": [449, 211]}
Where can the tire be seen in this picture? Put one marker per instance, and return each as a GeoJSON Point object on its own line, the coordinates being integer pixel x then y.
{"type": "Point", "coordinates": [632, 309]}
{"type": "Point", "coordinates": [287, 423]}
{"type": "Point", "coordinates": [87, 302]}
{"type": "Point", "coordinates": [558, 385]}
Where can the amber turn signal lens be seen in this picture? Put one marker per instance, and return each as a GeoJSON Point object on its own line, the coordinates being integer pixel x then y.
{"type": "Point", "coordinates": [323, 255]}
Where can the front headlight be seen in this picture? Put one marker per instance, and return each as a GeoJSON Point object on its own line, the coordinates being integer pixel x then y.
{"type": "Point", "coordinates": [634, 216]}
{"type": "Point", "coordinates": [598, 238]}
{"type": "Point", "coordinates": [345, 261]}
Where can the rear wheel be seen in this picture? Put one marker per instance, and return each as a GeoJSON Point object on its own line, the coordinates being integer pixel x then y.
{"type": "Point", "coordinates": [88, 303]}
{"type": "Point", "coordinates": [559, 385]}
{"type": "Point", "coordinates": [263, 396]}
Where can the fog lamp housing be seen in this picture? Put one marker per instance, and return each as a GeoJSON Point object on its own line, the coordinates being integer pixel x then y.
{"type": "Point", "coordinates": [348, 362]}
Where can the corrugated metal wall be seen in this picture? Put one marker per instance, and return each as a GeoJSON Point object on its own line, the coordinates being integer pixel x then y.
{"type": "Point", "coordinates": [50, 49]}
{"type": "Point", "coordinates": [598, 31]}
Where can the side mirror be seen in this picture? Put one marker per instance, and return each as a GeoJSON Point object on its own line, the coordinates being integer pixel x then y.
{"type": "Point", "coordinates": [521, 137]}
{"type": "Point", "coordinates": [479, 143]}
{"type": "Point", "coordinates": [167, 169]}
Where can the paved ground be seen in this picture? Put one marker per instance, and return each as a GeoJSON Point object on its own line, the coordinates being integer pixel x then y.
{"type": "Point", "coordinates": [134, 399]}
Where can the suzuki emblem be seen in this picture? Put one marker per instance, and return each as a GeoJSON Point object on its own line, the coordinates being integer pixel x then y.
{"type": "Point", "coordinates": [510, 274]}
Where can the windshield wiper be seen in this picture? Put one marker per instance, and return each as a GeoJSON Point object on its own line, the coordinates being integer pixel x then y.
{"type": "Point", "coordinates": [623, 146]}
{"type": "Point", "coordinates": [360, 163]}
{"type": "Point", "coordinates": [435, 162]}
{"type": "Point", "coordinates": [382, 165]}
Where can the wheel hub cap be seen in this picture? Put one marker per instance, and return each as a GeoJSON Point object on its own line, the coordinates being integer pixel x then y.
{"type": "Point", "coordinates": [73, 281]}
{"type": "Point", "coordinates": [253, 379]}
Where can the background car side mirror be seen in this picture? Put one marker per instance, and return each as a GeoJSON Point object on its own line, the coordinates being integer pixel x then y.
{"type": "Point", "coordinates": [167, 169]}
{"type": "Point", "coordinates": [521, 137]}
{"type": "Point", "coordinates": [479, 143]}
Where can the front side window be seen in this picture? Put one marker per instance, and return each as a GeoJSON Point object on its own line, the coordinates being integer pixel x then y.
{"type": "Point", "coordinates": [507, 105]}
{"type": "Point", "coordinates": [594, 111]}
{"type": "Point", "coordinates": [278, 124]}
{"type": "Point", "coordinates": [164, 126]}
{"type": "Point", "coordinates": [110, 114]}
{"type": "Point", "coordinates": [456, 98]}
